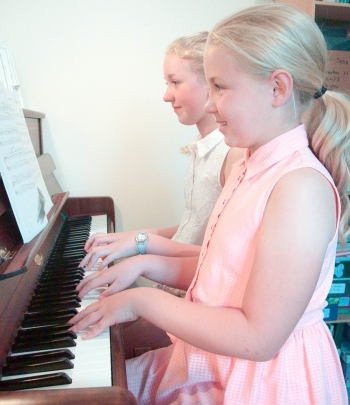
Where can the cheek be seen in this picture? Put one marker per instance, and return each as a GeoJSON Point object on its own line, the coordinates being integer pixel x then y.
{"type": "Point", "coordinates": [198, 98]}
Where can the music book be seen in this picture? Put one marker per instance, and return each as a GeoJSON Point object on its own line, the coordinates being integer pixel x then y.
{"type": "Point", "coordinates": [19, 168]}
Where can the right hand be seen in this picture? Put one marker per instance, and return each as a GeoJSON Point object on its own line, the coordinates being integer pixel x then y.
{"type": "Point", "coordinates": [120, 276]}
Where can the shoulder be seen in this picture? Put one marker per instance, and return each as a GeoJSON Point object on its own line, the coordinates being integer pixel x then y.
{"type": "Point", "coordinates": [304, 194]}
{"type": "Point", "coordinates": [304, 180]}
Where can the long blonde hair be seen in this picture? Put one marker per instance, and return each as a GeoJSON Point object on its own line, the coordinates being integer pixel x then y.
{"type": "Point", "coordinates": [272, 36]}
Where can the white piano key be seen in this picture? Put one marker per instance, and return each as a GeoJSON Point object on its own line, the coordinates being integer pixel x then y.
{"type": "Point", "coordinates": [92, 363]}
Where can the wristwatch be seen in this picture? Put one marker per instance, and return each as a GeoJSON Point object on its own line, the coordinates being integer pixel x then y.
{"type": "Point", "coordinates": [141, 240]}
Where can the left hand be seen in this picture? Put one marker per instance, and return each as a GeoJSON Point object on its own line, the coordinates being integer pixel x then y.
{"type": "Point", "coordinates": [100, 315]}
{"type": "Point", "coordinates": [122, 248]}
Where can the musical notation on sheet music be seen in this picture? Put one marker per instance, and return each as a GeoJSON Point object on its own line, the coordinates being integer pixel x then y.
{"type": "Point", "coordinates": [19, 168]}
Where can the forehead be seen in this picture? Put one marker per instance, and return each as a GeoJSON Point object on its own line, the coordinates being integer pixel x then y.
{"type": "Point", "coordinates": [173, 64]}
{"type": "Point", "coordinates": [219, 57]}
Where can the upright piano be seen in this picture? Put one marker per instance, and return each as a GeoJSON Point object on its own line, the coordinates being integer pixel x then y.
{"type": "Point", "coordinates": [26, 270]}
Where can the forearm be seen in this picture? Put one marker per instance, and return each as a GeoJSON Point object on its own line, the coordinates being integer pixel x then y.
{"type": "Point", "coordinates": [223, 331]}
{"type": "Point", "coordinates": [172, 271]}
{"type": "Point", "coordinates": [159, 245]}
{"type": "Point", "coordinates": [167, 232]}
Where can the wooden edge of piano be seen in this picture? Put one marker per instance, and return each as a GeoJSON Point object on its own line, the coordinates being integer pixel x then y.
{"type": "Point", "coordinates": [77, 396]}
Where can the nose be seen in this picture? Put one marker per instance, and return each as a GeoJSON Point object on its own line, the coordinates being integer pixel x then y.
{"type": "Point", "coordinates": [210, 106]}
{"type": "Point", "coordinates": [168, 96]}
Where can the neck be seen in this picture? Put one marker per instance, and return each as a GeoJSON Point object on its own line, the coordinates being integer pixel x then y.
{"type": "Point", "coordinates": [206, 125]}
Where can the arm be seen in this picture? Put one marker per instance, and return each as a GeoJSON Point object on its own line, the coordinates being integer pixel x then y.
{"type": "Point", "coordinates": [177, 272]}
{"type": "Point", "coordinates": [100, 238]}
{"type": "Point", "coordinates": [276, 295]}
{"type": "Point", "coordinates": [127, 246]}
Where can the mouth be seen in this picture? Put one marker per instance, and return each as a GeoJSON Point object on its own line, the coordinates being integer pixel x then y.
{"type": "Point", "coordinates": [221, 123]}
{"type": "Point", "coordinates": [176, 107]}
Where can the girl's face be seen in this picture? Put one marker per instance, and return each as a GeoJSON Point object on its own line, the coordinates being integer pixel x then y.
{"type": "Point", "coordinates": [239, 102]}
{"type": "Point", "coordinates": [186, 92]}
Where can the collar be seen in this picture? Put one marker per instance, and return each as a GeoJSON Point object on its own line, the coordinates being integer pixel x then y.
{"type": "Point", "coordinates": [275, 150]}
{"type": "Point", "coordinates": [206, 144]}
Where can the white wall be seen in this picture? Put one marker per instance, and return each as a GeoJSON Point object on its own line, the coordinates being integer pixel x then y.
{"type": "Point", "coordinates": [94, 67]}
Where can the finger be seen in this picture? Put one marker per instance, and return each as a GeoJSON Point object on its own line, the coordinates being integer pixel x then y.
{"type": "Point", "coordinates": [85, 280]}
{"type": "Point", "coordinates": [90, 241]}
{"type": "Point", "coordinates": [97, 329]}
{"type": "Point", "coordinates": [94, 239]}
{"type": "Point", "coordinates": [85, 312]}
{"type": "Point", "coordinates": [96, 255]}
{"type": "Point", "coordinates": [107, 260]}
{"type": "Point", "coordinates": [86, 322]}
{"type": "Point", "coordinates": [112, 289]}
{"type": "Point", "coordinates": [91, 285]}
{"type": "Point", "coordinates": [85, 260]}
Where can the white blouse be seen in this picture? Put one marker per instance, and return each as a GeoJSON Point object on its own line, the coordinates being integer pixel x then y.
{"type": "Point", "coordinates": [202, 186]}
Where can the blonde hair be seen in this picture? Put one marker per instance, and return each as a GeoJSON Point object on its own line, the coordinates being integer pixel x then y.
{"type": "Point", "coordinates": [278, 36]}
{"type": "Point", "coordinates": [191, 47]}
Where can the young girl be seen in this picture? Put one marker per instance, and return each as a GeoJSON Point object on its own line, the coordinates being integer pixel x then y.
{"type": "Point", "coordinates": [251, 329]}
{"type": "Point", "coordinates": [211, 161]}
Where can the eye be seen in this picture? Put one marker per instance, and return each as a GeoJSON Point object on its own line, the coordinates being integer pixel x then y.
{"type": "Point", "coordinates": [218, 88]}
{"type": "Point", "coordinates": [174, 82]}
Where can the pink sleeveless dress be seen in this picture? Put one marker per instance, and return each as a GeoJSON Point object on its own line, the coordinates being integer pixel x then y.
{"type": "Point", "coordinates": [306, 371]}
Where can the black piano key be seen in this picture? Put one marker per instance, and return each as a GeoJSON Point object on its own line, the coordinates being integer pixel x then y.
{"type": "Point", "coordinates": [60, 282]}
{"type": "Point", "coordinates": [46, 380]}
{"type": "Point", "coordinates": [57, 343]}
{"type": "Point", "coordinates": [58, 258]}
{"type": "Point", "coordinates": [48, 298]}
{"type": "Point", "coordinates": [54, 308]}
{"type": "Point", "coordinates": [67, 261]}
{"type": "Point", "coordinates": [44, 330]}
{"type": "Point", "coordinates": [34, 358]}
{"type": "Point", "coordinates": [56, 271]}
{"type": "Point", "coordinates": [64, 287]}
{"type": "Point", "coordinates": [62, 273]}
{"type": "Point", "coordinates": [37, 338]}
{"type": "Point", "coordinates": [52, 365]}
{"type": "Point", "coordinates": [71, 248]}
{"type": "Point", "coordinates": [54, 319]}
{"type": "Point", "coordinates": [45, 326]}
{"type": "Point", "coordinates": [57, 304]}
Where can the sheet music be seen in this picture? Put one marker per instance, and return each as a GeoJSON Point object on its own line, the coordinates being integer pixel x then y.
{"type": "Point", "coordinates": [19, 168]}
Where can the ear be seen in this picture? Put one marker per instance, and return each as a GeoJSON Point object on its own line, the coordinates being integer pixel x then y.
{"type": "Point", "coordinates": [281, 83]}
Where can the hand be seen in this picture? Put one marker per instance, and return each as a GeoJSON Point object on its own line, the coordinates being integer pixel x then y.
{"type": "Point", "coordinates": [100, 315]}
{"type": "Point", "coordinates": [120, 276]}
{"type": "Point", "coordinates": [124, 247]}
{"type": "Point", "coordinates": [101, 238]}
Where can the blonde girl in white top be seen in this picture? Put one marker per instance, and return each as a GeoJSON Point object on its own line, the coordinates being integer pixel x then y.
{"type": "Point", "coordinates": [211, 161]}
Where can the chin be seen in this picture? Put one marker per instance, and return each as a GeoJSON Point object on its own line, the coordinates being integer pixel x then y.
{"type": "Point", "coordinates": [186, 122]}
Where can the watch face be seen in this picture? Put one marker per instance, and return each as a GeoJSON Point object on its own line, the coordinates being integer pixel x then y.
{"type": "Point", "coordinates": [142, 236]}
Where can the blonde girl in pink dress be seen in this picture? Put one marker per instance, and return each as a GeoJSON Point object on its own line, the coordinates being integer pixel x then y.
{"type": "Point", "coordinates": [251, 329]}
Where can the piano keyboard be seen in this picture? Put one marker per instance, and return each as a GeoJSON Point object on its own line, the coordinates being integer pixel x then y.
{"type": "Point", "coordinates": [63, 358]}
